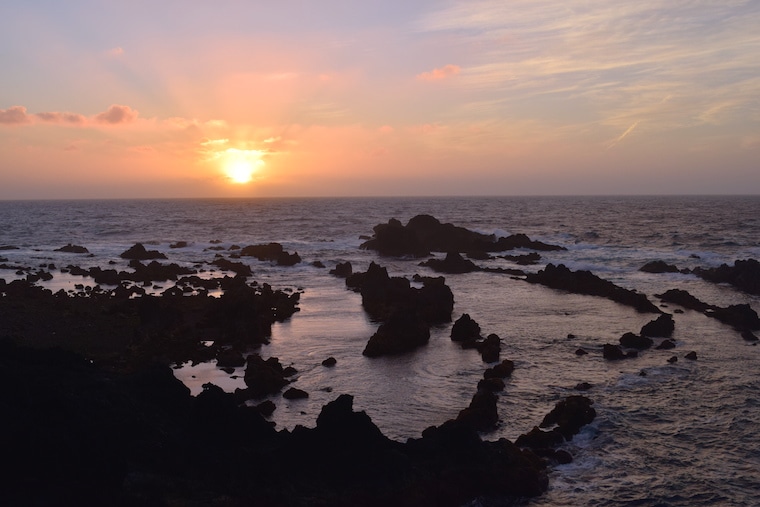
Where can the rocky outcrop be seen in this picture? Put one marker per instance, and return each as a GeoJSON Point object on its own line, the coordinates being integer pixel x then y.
{"type": "Point", "coordinates": [661, 327]}
{"type": "Point", "coordinates": [744, 275]}
{"type": "Point", "coordinates": [465, 329]}
{"type": "Point", "coordinates": [138, 252]}
{"type": "Point", "coordinates": [453, 263]}
{"type": "Point", "coordinates": [424, 234]}
{"type": "Point", "coordinates": [263, 377]}
{"type": "Point", "coordinates": [741, 317]}
{"type": "Point", "coordinates": [382, 294]}
{"type": "Point", "coordinates": [405, 330]}
{"type": "Point", "coordinates": [69, 248]}
{"type": "Point", "coordinates": [659, 267]}
{"type": "Point", "coordinates": [271, 252]}
{"type": "Point", "coordinates": [585, 282]}
{"type": "Point", "coordinates": [634, 341]}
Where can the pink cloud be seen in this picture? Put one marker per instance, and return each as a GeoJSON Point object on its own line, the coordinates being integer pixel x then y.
{"type": "Point", "coordinates": [15, 115]}
{"type": "Point", "coordinates": [55, 117]}
{"type": "Point", "coordinates": [116, 114]}
{"type": "Point", "coordinates": [440, 73]}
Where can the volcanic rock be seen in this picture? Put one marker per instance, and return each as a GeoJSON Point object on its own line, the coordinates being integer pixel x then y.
{"type": "Point", "coordinates": [633, 341]}
{"type": "Point", "coordinates": [663, 326]}
{"type": "Point", "coordinates": [454, 263]}
{"type": "Point", "coordinates": [585, 282]}
{"type": "Point", "coordinates": [138, 252]}
{"type": "Point", "coordinates": [69, 248]}
{"type": "Point", "coordinates": [465, 329]}
{"type": "Point", "coordinates": [404, 331]}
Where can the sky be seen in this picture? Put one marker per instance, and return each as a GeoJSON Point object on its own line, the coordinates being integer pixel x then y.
{"type": "Point", "coordinates": [148, 99]}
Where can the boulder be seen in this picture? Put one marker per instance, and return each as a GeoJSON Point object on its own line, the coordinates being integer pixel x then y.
{"type": "Point", "coordinates": [329, 362]}
{"type": "Point", "coordinates": [502, 370]}
{"type": "Point", "coordinates": [613, 352]}
{"type": "Point", "coordinates": [271, 252]}
{"type": "Point", "coordinates": [342, 269]}
{"type": "Point", "coordinates": [481, 414]}
{"type": "Point", "coordinates": [295, 394]}
{"type": "Point", "coordinates": [666, 345]}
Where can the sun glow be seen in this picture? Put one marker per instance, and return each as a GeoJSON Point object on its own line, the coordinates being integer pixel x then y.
{"type": "Point", "coordinates": [239, 166]}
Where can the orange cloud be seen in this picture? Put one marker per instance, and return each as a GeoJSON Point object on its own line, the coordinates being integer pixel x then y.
{"type": "Point", "coordinates": [15, 115]}
{"type": "Point", "coordinates": [439, 73]}
{"type": "Point", "coordinates": [116, 114]}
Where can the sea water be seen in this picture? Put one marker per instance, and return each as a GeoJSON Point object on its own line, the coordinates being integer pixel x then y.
{"type": "Point", "coordinates": [665, 434]}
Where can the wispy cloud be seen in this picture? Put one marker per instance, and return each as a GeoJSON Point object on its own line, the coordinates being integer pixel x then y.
{"type": "Point", "coordinates": [115, 114]}
{"type": "Point", "coordinates": [439, 73]}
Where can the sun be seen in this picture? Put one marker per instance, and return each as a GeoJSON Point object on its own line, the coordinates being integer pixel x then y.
{"type": "Point", "coordinates": [239, 166]}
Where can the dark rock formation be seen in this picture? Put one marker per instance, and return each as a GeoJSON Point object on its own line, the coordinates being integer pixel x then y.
{"type": "Point", "coordinates": [666, 345]}
{"type": "Point", "coordinates": [692, 356]}
{"type": "Point", "coordinates": [330, 361]}
{"type": "Point", "coordinates": [741, 317]}
{"type": "Point", "coordinates": [342, 269]}
{"type": "Point", "coordinates": [585, 282]}
{"type": "Point", "coordinates": [663, 326]}
{"type": "Point", "coordinates": [481, 414]}
{"type": "Point", "coordinates": [570, 415]}
{"type": "Point", "coordinates": [178, 244]}
{"type": "Point", "coordinates": [382, 295]}
{"type": "Point", "coordinates": [263, 377]}
{"type": "Point", "coordinates": [271, 252]}
{"type": "Point", "coordinates": [523, 260]}
{"type": "Point", "coordinates": [236, 267]}
{"type": "Point", "coordinates": [138, 252]}
{"type": "Point", "coordinates": [453, 263]}
{"type": "Point", "coordinates": [613, 352]}
{"type": "Point", "coordinates": [294, 393]}
{"type": "Point", "coordinates": [659, 267]}
{"type": "Point", "coordinates": [490, 348]}
{"type": "Point", "coordinates": [502, 370]}
{"type": "Point", "coordinates": [405, 330]}
{"type": "Point", "coordinates": [465, 329]}
{"type": "Point", "coordinates": [69, 248]}
{"type": "Point", "coordinates": [744, 275]}
{"type": "Point", "coordinates": [683, 298]}
{"type": "Point", "coordinates": [634, 341]}
{"type": "Point", "coordinates": [424, 234]}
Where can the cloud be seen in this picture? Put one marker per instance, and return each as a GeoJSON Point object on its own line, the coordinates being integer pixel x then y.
{"type": "Point", "coordinates": [115, 52]}
{"type": "Point", "coordinates": [117, 114]}
{"type": "Point", "coordinates": [55, 117]}
{"type": "Point", "coordinates": [15, 115]}
{"type": "Point", "coordinates": [620, 137]}
{"type": "Point", "coordinates": [439, 73]}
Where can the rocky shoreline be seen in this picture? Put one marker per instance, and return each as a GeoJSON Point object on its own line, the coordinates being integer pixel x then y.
{"type": "Point", "coordinates": [98, 418]}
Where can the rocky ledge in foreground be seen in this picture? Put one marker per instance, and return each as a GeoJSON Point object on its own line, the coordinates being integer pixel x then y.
{"type": "Point", "coordinates": [585, 282]}
{"type": "Point", "coordinates": [424, 234]}
{"type": "Point", "coordinates": [94, 437]}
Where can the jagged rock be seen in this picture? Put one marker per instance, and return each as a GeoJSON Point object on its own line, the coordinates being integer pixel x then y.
{"type": "Point", "coordinates": [741, 317]}
{"type": "Point", "coordinates": [271, 252]}
{"type": "Point", "coordinates": [663, 326]}
{"type": "Point", "coordinates": [454, 263]}
{"type": "Point", "coordinates": [263, 377]}
{"type": "Point", "coordinates": [744, 275]}
{"type": "Point", "coordinates": [404, 331]}
{"type": "Point", "coordinates": [424, 234]}
{"type": "Point", "coordinates": [502, 370]}
{"type": "Point", "coordinates": [236, 267]}
{"type": "Point", "coordinates": [569, 415]}
{"type": "Point", "coordinates": [683, 298]}
{"type": "Point", "coordinates": [382, 295]}
{"type": "Point", "coordinates": [666, 345]}
{"type": "Point", "coordinates": [490, 348]}
{"type": "Point", "coordinates": [481, 414]}
{"type": "Point", "coordinates": [585, 282]}
{"type": "Point", "coordinates": [633, 341]}
{"type": "Point", "coordinates": [692, 356]}
{"type": "Point", "coordinates": [465, 329]}
{"type": "Point", "coordinates": [138, 252]}
{"type": "Point", "coordinates": [342, 269]}
{"type": "Point", "coordinates": [539, 439]}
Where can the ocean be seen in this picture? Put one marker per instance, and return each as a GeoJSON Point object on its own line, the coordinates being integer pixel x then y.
{"type": "Point", "coordinates": [666, 434]}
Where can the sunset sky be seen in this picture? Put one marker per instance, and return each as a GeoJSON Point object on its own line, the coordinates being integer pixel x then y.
{"type": "Point", "coordinates": [342, 97]}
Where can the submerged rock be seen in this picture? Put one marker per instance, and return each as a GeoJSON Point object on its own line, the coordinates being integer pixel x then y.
{"type": "Point", "coordinates": [69, 248]}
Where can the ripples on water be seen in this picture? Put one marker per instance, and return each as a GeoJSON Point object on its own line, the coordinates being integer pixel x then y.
{"type": "Point", "coordinates": [683, 434]}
